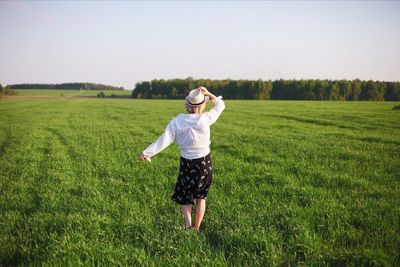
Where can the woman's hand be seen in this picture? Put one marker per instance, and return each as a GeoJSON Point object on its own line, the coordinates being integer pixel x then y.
{"type": "Point", "coordinates": [205, 92]}
{"type": "Point", "coordinates": [143, 157]}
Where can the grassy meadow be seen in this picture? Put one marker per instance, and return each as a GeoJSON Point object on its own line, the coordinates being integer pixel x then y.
{"type": "Point", "coordinates": [295, 183]}
{"type": "Point", "coordinates": [71, 93]}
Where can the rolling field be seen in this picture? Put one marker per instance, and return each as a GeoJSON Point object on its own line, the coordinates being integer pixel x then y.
{"type": "Point", "coordinates": [120, 93]}
{"type": "Point", "coordinates": [295, 183]}
{"type": "Point", "coordinates": [71, 93]}
{"type": "Point", "coordinates": [45, 92]}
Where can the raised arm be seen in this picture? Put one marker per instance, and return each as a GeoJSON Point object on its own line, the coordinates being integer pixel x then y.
{"type": "Point", "coordinates": [219, 105]}
{"type": "Point", "coordinates": [162, 142]}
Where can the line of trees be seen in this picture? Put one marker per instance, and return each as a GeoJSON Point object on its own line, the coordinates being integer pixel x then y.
{"type": "Point", "coordinates": [275, 90]}
{"type": "Point", "coordinates": [6, 91]}
{"type": "Point", "coordinates": [65, 86]}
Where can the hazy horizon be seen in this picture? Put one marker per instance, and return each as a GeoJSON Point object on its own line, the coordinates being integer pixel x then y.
{"type": "Point", "coordinates": [121, 43]}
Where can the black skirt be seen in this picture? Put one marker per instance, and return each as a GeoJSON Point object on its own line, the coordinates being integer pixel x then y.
{"type": "Point", "coordinates": [194, 180]}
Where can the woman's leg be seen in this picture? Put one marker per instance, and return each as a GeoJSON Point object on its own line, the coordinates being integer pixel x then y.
{"type": "Point", "coordinates": [200, 209]}
{"type": "Point", "coordinates": [187, 214]}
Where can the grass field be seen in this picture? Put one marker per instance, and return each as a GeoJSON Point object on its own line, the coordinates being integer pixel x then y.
{"type": "Point", "coordinates": [119, 93]}
{"type": "Point", "coordinates": [295, 183]}
{"type": "Point", "coordinates": [71, 93]}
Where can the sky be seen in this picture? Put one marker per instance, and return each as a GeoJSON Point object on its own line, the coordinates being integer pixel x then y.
{"type": "Point", "coordinates": [122, 43]}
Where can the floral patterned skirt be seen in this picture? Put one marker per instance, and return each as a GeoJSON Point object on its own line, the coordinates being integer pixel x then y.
{"type": "Point", "coordinates": [194, 180]}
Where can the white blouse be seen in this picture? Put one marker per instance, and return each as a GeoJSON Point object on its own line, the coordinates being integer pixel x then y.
{"type": "Point", "coordinates": [191, 132]}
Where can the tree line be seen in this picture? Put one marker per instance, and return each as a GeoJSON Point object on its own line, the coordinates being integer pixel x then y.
{"type": "Point", "coordinates": [275, 90]}
{"type": "Point", "coordinates": [65, 86]}
{"type": "Point", "coordinates": [6, 91]}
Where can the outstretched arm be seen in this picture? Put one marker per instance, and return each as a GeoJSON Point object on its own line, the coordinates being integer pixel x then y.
{"type": "Point", "coordinates": [162, 142]}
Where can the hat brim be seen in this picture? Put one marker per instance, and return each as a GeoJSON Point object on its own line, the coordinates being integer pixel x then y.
{"type": "Point", "coordinates": [204, 102]}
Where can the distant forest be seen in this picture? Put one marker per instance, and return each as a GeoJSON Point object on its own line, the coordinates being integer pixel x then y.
{"type": "Point", "coordinates": [65, 86]}
{"type": "Point", "coordinates": [348, 90]}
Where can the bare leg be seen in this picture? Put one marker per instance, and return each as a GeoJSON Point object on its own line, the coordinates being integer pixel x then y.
{"type": "Point", "coordinates": [187, 214]}
{"type": "Point", "coordinates": [200, 209]}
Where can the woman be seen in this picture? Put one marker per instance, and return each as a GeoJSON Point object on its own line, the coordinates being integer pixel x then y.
{"type": "Point", "coordinates": [191, 132]}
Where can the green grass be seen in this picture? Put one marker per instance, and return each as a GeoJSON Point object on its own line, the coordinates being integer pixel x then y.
{"type": "Point", "coordinates": [127, 93]}
{"type": "Point", "coordinates": [45, 92]}
{"type": "Point", "coordinates": [70, 93]}
{"type": "Point", "coordinates": [295, 183]}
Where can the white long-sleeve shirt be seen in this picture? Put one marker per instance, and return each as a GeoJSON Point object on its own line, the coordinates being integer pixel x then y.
{"type": "Point", "coordinates": [191, 132]}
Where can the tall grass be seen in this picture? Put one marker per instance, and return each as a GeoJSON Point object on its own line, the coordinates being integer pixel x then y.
{"type": "Point", "coordinates": [295, 183]}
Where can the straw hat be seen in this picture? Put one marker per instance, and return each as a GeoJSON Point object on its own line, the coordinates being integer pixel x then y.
{"type": "Point", "coordinates": [196, 98]}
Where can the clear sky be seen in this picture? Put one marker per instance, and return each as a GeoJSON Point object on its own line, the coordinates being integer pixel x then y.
{"type": "Point", "coordinates": [121, 43]}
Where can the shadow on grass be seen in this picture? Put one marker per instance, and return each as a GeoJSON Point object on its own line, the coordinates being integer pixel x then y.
{"type": "Point", "coordinates": [6, 141]}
